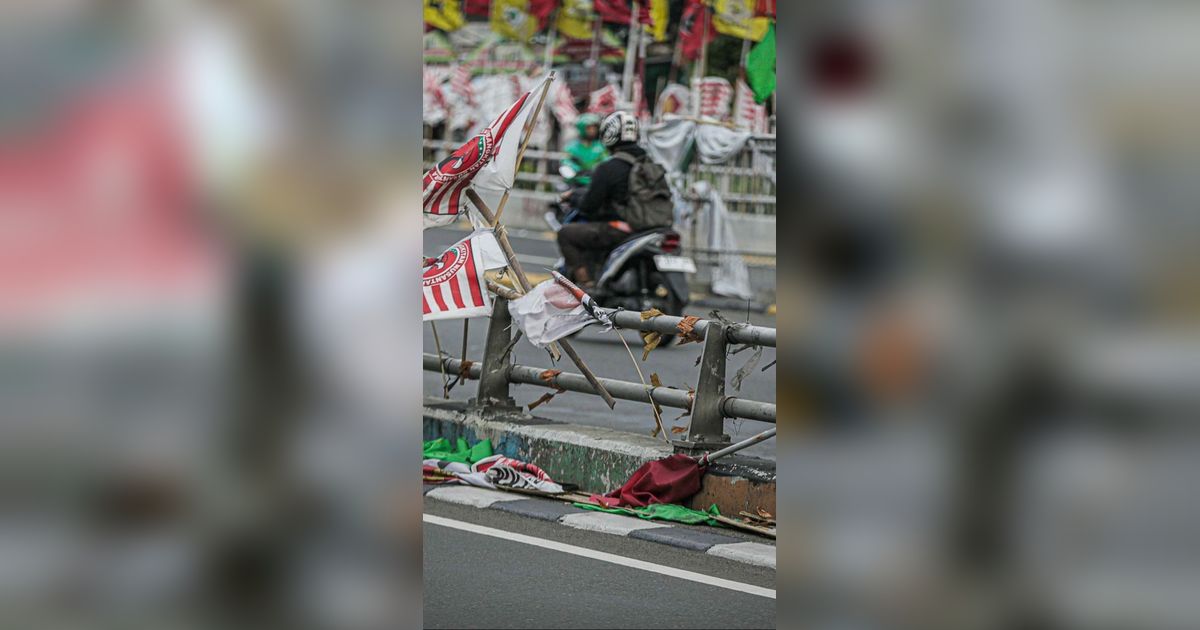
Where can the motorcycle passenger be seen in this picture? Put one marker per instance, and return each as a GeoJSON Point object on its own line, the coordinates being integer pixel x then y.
{"type": "Point", "coordinates": [584, 244]}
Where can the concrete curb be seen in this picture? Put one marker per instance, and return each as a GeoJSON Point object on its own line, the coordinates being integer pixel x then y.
{"type": "Point", "coordinates": [712, 543]}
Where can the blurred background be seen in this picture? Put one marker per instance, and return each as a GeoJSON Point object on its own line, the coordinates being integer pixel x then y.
{"type": "Point", "coordinates": [208, 352]}
{"type": "Point", "coordinates": [991, 349]}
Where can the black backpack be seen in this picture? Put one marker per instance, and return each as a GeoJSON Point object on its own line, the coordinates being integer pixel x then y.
{"type": "Point", "coordinates": [650, 205]}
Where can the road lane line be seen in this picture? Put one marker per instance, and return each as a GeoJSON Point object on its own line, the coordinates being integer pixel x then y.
{"type": "Point", "coordinates": [602, 556]}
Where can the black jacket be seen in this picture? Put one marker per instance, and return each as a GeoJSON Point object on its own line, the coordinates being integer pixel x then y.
{"type": "Point", "coordinates": [610, 185]}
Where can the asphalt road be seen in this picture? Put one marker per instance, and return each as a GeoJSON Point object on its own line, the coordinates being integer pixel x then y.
{"type": "Point", "coordinates": [474, 580]}
{"type": "Point", "coordinates": [607, 357]}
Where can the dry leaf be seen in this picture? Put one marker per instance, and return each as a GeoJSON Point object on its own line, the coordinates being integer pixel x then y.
{"type": "Point", "coordinates": [548, 375]}
{"type": "Point", "coordinates": [687, 330]}
{"type": "Point", "coordinates": [651, 341]}
{"type": "Point", "coordinates": [547, 397]}
{"type": "Point", "coordinates": [763, 513]}
{"type": "Point", "coordinates": [678, 429]}
{"type": "Point", "coordinates": [654, 380]}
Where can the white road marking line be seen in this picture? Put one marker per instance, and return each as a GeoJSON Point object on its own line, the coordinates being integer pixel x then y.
{"type": "Point", "coordinates": [602, 556]}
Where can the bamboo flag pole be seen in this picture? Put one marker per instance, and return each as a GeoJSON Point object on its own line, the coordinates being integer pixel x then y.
{"type": "Point", "coordinates": [528, 133]}
{"type": "Point", "coordinates": [631, 47]}
{"type": "Point", "coordinates": [502, 239]}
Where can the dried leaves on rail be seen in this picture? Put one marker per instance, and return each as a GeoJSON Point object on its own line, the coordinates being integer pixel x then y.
{"type": "Point", "coordinates": [650, 340]}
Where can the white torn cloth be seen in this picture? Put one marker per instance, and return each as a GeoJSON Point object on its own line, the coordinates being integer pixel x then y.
{"type": "Point", "coordinates": [716, 144]}
{"type": "Point", "coordinates": [730, 277]}
{"type": "Point", "coordinates": [554, 309]}
{"type": "Point", "coordinates": [668, 142]}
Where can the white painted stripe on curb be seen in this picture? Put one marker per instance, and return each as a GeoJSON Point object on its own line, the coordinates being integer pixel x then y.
{"type": "Point", "coordinates": [682, 574]}
{"type": "Point", "coordinates": [470, 495]}
{"type": "Point", "coordinates": [606, 523]}
{"type": "Point", "coordinates": [748, 552]}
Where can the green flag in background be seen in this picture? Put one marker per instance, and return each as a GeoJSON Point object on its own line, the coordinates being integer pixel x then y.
{"type": "Point", "coordinates": [760, 67]}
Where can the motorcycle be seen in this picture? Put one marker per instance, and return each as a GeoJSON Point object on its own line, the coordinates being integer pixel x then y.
{"type": "Point", "coordinates": [644, 271]}
{"type": "Point", "coordinates": [574, 181]}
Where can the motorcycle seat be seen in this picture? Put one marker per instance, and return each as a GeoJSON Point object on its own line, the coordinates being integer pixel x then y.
{"type": "Point", "coordinates": [642, 233]}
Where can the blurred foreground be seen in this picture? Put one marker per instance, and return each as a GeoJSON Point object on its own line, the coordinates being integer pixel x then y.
{"type": "Point", "coordinates": [204, 319]}
{"type": "Point", "coordinates": [994, 342]}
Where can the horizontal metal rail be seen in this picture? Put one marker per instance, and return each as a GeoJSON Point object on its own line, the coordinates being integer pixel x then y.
{"type": "Point", "coordinates": [668, 324]}
{"type": "Point", "coordinates": [625, 390]}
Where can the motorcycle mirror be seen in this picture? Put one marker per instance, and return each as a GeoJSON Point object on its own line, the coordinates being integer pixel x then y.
{"type": "Point", "coordinates": [566, 171]}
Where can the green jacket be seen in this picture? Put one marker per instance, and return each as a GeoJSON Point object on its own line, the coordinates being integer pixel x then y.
{"type": "Point", "coordinates": [587, 154]}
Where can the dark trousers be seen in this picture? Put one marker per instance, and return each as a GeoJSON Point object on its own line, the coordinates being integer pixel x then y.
{"type": "Point", "coordinates": [587, 243]}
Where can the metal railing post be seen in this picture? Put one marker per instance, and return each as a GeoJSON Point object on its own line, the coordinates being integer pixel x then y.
{"type": "Point", "coordinates": [708, 421]}
{"type": "Point", "coordinates": [493, 378]}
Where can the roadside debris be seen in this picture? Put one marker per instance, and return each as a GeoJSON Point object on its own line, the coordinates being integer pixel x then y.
{"type": "Point", "coordinates": [478, 466]}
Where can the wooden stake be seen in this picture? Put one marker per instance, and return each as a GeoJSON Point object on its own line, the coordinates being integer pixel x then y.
{"type": "Point", "coordinates": [733, 522]}
{"type": "Point", "coordinates": [466, 333]}
{"type": "Point", "coordinates": [524, 145]}
{"type": "Point", "coordinates": [441, 360]}
{"type": "Point", "coordinates": [515, 265]}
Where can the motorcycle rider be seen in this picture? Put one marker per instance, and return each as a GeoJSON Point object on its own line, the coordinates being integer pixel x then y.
{"type": "Point", "coordinates": [586, 151]}
{"type": "Point", "coordinates": [583, 243]}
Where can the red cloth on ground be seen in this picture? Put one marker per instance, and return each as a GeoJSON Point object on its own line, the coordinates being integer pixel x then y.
{"type": "Point", "coordinates": [672, 479]}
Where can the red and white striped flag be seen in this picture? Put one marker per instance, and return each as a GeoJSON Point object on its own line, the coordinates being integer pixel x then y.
{"type": "Point", "coordinates": [714, 94]}
{"type": "Point", "coordinates": [452, 285]}
{"type": "Point", "coordinates": [486, 161]}
{"type": "Point", "coordinates": [750, 115]}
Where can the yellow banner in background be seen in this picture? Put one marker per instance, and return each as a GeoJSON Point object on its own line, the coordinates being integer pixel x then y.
{"type": "Point", "coordinates": [659, 15]}
{"type": "Point", "coordinates": [511, 19]}
{"type": "Point", "coordinates": [576, 19]}
{"type": "Point", "coordinates": [736, 19]}
{"type": "Point", "coordinates": [446, 15]}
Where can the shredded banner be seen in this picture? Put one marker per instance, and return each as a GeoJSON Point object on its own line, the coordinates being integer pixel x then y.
{"type": "Point", "coordinates": [554, 309]}
{"type": "Point", "coordinates": [453, 286]}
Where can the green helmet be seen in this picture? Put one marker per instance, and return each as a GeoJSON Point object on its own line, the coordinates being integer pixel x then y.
{"type": "Point", "coordinates": [586, 120]}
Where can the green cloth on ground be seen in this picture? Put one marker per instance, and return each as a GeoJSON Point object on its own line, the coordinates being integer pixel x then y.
{"type": "Point", "coordinates": [760, 67]}
{"type": "Point", "coordinates": [662, 512]}
{"type": "Point", "coordinates": [441, 449]}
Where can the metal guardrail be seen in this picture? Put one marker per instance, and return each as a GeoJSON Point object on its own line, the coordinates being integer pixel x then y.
{"type": "Point", "coordinates": [709, 405]}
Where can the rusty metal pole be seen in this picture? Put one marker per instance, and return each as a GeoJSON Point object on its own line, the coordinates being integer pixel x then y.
{"type": "Point", "coordinates": [708, 422]}
{"type": "Point", "coordinates": [493, 378]}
